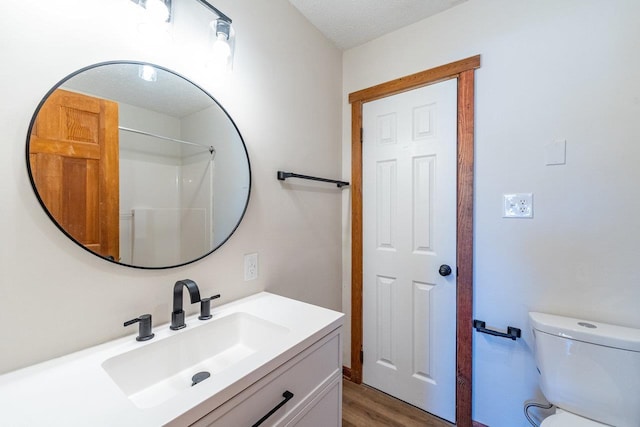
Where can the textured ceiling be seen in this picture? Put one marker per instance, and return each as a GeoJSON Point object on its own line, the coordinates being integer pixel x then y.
{"type": "Point", "coordinates": [170, 94]}
{"type": "Point", "coordinates": [350, 23]}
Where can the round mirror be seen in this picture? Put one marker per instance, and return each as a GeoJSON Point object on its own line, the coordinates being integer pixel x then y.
{"type": "Point", "coordinates": [138, 165]}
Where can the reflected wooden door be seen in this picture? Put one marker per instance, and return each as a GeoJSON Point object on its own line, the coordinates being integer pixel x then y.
{"type": "Point", "coordinates": [73, 154]}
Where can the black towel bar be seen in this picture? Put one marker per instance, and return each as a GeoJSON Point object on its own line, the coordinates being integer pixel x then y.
{"type": "Point", "coordinates": [284, 175]}
{"type": "Point", "coordinates": [512, 333]}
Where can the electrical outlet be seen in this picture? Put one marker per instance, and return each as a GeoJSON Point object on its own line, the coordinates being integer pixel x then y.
{"type": "Point", "coordinates": [518, 205]}
{"type": "Point", "coordinates": [250, 267]}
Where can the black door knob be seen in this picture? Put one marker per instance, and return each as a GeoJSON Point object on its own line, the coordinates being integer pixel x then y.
{"type": "Point", "coordinates": [445, 270]}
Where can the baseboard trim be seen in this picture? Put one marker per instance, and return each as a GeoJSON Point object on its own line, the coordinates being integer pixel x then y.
{"type": "Point", "coordinates": [477, 424]}
{"type": "Point", "coordinates": [346, 373]}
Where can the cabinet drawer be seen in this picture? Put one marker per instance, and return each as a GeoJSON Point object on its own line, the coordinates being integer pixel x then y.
{"type": "Point", "coordinates": [324, 410]}
{"type": "Point", "coordinates": [304, 375]}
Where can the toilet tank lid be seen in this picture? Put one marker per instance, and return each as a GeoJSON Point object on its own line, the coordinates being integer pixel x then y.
{"type": "Point", "coordinates": [583, 330]}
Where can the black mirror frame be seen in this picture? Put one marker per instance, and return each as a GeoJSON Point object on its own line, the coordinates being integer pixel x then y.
{"type": "Point", "coordinates": [159, 67]}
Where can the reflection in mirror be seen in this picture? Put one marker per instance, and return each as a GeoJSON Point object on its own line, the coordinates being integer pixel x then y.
{"type": "Point", "coordinates": [138, 165]}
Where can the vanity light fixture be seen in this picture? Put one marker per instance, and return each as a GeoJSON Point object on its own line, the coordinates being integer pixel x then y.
{"type": "Point", "coordinates": [222, 38]}
{"type": "Point", "coordinates": [154, 20]}
{"type": "Point", "coordinates": [158, 11]}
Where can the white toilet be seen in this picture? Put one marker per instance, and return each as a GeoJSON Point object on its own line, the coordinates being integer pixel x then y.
{"type": "Point", "coordinates": [589, 370]}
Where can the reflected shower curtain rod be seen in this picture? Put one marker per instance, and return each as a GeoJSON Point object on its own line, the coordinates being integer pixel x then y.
{"type": "Point", "coordinates": [166, 138]}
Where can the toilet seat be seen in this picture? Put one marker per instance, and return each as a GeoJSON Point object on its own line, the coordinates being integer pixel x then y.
{"type": "Point", "coordinates": [567, 419]}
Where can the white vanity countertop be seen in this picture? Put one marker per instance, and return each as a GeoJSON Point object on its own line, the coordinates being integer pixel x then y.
{"type": "Point", "coordinates": [75, 390]}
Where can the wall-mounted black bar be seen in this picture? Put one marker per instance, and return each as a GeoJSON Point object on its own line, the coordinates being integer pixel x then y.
{"type": "Point", "coordinates": [284, 175]}
{"type": "Point", "coordinates": [512, 332]}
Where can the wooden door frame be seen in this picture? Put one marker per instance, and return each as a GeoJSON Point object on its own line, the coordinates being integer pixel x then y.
{"type": "Point", "coordinates": [462, 70]}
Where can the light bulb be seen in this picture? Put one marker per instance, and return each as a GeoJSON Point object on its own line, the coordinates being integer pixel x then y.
{"type": "Point", "coordinates": [157, 10]}
{"type": "Point", "coordinates": [222, 45]}
{"type": "Point", "coordinates": [221, 49]}
{"type": "Point", "coordinates": [154, 25]}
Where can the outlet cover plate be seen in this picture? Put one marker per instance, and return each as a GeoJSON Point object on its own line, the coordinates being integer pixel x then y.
{"type": "Point", "coordinates": [250, 266]}
{"type": "Point", "coordinates": [518, 205]}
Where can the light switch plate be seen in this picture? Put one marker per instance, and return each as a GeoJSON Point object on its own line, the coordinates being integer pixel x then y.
{"type": "Point", "coordinates": [518, 205]}
{"type": "Point", "coordinates": [556, 152]}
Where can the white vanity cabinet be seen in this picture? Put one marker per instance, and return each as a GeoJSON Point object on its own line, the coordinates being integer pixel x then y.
{"type": "Point", "coordinates": [255, 349]}
{"type": "Point", "coordinates": [314, 376]}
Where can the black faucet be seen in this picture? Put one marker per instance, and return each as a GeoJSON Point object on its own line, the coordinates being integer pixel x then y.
{"type": "Point", "coordinates": [205, 307]}
{"type": "Point", "coordinates": [144, 331]}
{"type": "Point", "coordinates": [177, 316]}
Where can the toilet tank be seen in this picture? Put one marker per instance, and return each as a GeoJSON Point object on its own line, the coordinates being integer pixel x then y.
{"type": "Point", "coordinates": [589, 368]}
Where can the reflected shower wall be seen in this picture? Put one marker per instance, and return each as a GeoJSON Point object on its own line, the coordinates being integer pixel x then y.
{"type": "Point", "coordinates": [166, 192]}
{"type": "Point", "coordinates": [230, 179]}
{"type": "Point", "coordinates": [197, 201]}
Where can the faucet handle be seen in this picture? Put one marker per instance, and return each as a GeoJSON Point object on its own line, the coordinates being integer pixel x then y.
{"type": "Point", "coordinates": [144, 331]}
{"type": "Point", "coordinates": [205, 307]}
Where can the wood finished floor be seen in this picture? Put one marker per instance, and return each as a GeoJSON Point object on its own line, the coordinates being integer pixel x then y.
{"type": "Point", "coordinates": [364, 406]}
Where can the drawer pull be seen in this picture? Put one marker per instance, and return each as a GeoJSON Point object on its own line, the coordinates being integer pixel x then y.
{"type": "Point", "coordinates": [287, 396]}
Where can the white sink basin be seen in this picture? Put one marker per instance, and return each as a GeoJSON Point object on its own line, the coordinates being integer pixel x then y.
{"type": "Point", "coordinates": [160, 370]}
{"type": "Point", "coordinates": [128, 383]}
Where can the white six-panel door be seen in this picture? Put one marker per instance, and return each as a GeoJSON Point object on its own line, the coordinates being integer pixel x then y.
{"type": "Point", "coordinates": [409, 231]}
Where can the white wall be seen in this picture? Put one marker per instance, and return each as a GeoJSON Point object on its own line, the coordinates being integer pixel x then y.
{"type": "Point", "coordinates": [283, 94]}
{"type": "Point", "coordinates": [550, 70]}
